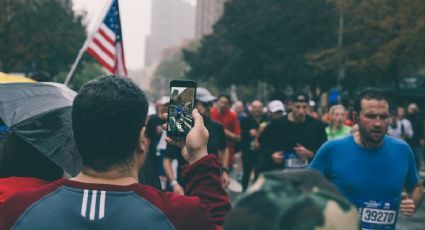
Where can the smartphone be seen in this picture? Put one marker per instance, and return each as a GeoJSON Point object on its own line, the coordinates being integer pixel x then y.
{"type": "Point", "coordinates": [182, 102]}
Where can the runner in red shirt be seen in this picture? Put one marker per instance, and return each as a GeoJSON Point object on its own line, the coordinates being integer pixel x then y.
{"type": "Point", "coordinates": [230, 122]}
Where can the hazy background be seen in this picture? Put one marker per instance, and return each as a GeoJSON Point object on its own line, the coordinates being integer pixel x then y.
{"type": "Point", "coordinates": [135, 22]}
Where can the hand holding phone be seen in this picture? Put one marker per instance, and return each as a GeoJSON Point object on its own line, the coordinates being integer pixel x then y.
{"type": "Point", "coordinates": [182, 102]}
{"type": "Point", "coordinates": [194, 147]}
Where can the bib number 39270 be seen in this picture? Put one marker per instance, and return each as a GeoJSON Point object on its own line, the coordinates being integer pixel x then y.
{"type": "Point", "coordinates": [377, 215]}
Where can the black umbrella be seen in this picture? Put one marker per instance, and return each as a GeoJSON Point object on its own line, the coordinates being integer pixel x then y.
{"type": "Point", "coordinates": [40, 114]}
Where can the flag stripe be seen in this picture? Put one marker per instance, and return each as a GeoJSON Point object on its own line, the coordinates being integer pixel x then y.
{"type": "Point", "coordinates": [103, 48]}
{"type": "Point", "coordinates": [107, 33]}
{"type": "Point", "coordinates": [100, 60]}
{"type": "Point", "coordinates": [120, 68]}
{"type": "Point", "coordinates": [106, 45]}
{"type": "Point", "coordinates": [102, 40]}
{"type": "Point", "coordinates": [105, 57]}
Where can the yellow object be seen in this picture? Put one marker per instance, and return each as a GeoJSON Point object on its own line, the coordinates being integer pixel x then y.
{"type": "Point", "coordinates": [6, 78]}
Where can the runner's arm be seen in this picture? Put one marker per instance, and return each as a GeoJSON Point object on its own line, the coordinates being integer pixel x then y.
{"type": "Point", "coordinates": [231, 135]}
{"type": "Point", "coordinates": [417, 195]}
{"type": "Point", "coordinates": [166, 163]}
{"type": "Point", "coordinates": [303, 151]}
{"type": "Point", "coordinates": [235, 134]}
{"type": "Point", "coordinates": [223, 156]}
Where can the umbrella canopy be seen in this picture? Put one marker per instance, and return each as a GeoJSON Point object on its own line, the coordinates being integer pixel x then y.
{"type": "Point", "coordinates": [40, 114]}
{"type": "Point", "coordinates": [7, 78]}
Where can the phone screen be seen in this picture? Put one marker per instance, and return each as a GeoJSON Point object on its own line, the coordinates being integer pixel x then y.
{"type": "Point", "coordinates": [180, 120]}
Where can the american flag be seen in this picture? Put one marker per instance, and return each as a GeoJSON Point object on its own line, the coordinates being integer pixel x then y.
{"type": "Point", "coordinates": [106, 45]}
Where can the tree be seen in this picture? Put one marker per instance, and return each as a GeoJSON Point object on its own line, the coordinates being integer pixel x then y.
{"type": "Point", "coordinates": [170, 68]}
{"type": "Point", "coordinates": [383, 41]}
{"type": "Point", "coordinates": [266, 40]}
{"type": "Point", "coordinates": [39, 35]}
{"type": "Point", "coordinates": [87, 70]}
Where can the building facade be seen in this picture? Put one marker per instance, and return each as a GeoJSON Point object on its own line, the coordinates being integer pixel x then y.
{"type": "Point", "coordinates": [172, 22]}
{"type": "Point", "coordinates": [207, 14]}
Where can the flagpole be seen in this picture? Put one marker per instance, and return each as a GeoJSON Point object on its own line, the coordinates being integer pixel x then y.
{"type": "Point", "coordinates": [89, 38]}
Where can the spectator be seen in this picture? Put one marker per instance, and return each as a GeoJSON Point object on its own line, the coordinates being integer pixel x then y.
{"type": "Point", "coordinates": [106, 193]}
{"type": "Point", "coordinates": [24, 167]}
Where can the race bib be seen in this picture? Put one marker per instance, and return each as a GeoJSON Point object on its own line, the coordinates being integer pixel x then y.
{"type": "Point", "coordinates": [293, 161]}
{"type": "Point", "coordinates": [377, 215]}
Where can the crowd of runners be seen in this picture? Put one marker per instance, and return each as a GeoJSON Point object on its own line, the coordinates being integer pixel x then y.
{"type": "Point", "coordinates": [365, 160]}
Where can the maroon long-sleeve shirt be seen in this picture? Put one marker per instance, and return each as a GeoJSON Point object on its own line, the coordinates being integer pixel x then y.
{"type": "Point", "coordinates": [67, 204]}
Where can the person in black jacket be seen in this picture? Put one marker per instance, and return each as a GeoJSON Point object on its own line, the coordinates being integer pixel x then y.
{"type": "Point", "coordinates": [249, 144]}
{"type": "Point", "coordinates": [291, 141]}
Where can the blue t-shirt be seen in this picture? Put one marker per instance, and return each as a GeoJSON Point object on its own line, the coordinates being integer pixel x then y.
{"type": "Point", "coordinates": [371, 178]}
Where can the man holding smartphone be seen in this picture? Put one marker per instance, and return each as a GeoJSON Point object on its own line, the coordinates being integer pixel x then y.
{"type": "Point", "coordinates": [106, 193]}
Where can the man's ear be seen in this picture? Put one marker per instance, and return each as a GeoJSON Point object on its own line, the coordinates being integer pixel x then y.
{"type": "Point", "coordinates": [142, 143]}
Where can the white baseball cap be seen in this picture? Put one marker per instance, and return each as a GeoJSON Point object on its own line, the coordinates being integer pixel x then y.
{"type": "Point", "coordinates": [275, 106]}
{"type": "Point", "coordinates": [203, 95]}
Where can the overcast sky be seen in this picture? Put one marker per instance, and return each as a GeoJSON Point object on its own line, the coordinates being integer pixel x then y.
{"type": "Point", "coordinates": [135, 22]}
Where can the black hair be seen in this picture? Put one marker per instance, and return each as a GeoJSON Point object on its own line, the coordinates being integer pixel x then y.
{"type": "Point", "coordinates": [369, 94]}
{"type": "Point", "coordinates": [107, 116]}
{"type": "Point", "coordinates": [21, 159]}
{"type": "Point", "coordinates": [300, 97]}
{"type": "Point", "coordinates": [225, 96]}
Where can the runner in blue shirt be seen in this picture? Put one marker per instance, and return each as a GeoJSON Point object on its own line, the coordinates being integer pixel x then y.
{"type": "Point", "coordinates": [372, 169]}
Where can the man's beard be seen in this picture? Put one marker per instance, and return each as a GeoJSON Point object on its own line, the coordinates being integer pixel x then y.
{"type": "Point", "coordinates": [366, 136]}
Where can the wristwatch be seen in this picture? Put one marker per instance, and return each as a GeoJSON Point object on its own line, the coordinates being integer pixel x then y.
{"type": "Point", "coordinates": [224, 169]}
{"type": "Point", "coordinates": [174, 183]}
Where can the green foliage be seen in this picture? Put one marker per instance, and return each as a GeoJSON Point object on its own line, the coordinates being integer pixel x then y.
{"type": "Point", "coordinates": [171, 68]}
{"type": "Point", "coordinates": [383, 40]}
{"type": "Point", "coordinates": [266, 40]}
{"type": "Point", "coordinates": [39, 35]}
{"type": "Point", "coordinates": [86, 71]}
{"type": "Point", "coordinates": [294, 43]}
